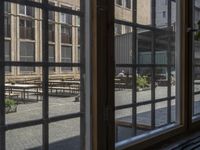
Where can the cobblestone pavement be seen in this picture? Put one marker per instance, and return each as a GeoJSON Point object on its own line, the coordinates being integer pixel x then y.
{"type": "Point", "coordinates": [64, 135]}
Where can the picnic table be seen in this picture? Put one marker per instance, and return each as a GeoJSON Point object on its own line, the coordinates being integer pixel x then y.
{"type": "Point", "coordinates": [63, 87]}
{"type": "Point", "coordinates": [24, 89]}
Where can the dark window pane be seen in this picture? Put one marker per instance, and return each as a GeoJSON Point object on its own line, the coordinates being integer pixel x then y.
{"type": "Point", "coordinates": [66, 56]}
{"type": "Point", "coordinates": [51, 56]}
{"type": "Point", "coordinates": [7, 7]}
{"type": "Point", "coordinates": [66, 34]}
{"type": "Point", "coordinates": [27, 29]}
{"type": "Point", "coordinates": [118, 29]}
{"type": "Point", "coordinates": [7, 55]}
{"type": "Point", "coordinates": [128, 4]}
{"type": "Point", "coordinates": [22, 9]}
{"type": "Point", "coordinates": [119, 2]}
{"type": "Point", "coordinates": [7, 26]}
{"type": "Point", "coordinates": [51, 32]}
{"type": "Point", "coordinates": [66, 18]}
{"type": "Point", "coordinates": [27, 54]}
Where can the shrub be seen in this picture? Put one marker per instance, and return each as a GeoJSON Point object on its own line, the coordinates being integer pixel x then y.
{"type": "Point", "coordinates": [9, 103]}
{"type": "Point", "coordinates": [142, 81]}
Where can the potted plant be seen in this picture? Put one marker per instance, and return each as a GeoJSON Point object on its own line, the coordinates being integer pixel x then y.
{"type": "Point", "coordinates": [10, 105]}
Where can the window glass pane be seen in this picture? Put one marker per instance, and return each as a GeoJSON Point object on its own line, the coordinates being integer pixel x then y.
{"type": "Point", "coordinates": [123, 11]}
{"type": "Point", "coordinates": [196, 17]}
{"type": "Point", "coordinates": [123, 86]}
{"type": "Point", "coordinates": [66, 18]}
{"type": "Point", "coordinates": [143, 84]}
{"type": "Point", "coordinates": [7, 19]}
{"type": "Point", "coordinates": [128, 4]}
{"type": "Point", "coordinates": [162, 13]}
{"type": "Point", "coordinates": [65, 134]}
{"type": "Point", "coordinates": [51, 32]}
{"type": "Point", "coordinates": [144, 46]}
{"type": "Point", "coordinates": [161, 47]}
{"type": "Point", "coordinates": [66, 56]}
{"type": "Point", "coordinates": [8, 55]}
{"type": "Point", "coordinates": [144, 12]}
{"type": "Point", "coordinates": [27, 54]}
{"type": "Point", "coordinates": [123, 46]}
{"type": "Point", "coordinates": [119, 2]}
{"type": "Point", "coordinates": [64, 92]}
{"type": "Point", "coordinates": [196, 90]}
{"type": "Point", "coordinates": [51, 57]}
{"type": "Point", "coordinates": [7, 7]}
{"type": "Point", "coordinates": [27, 29]}
{"type": "Point", "coordinates": [23, 94]}
{"type": "Point", "coordinates": [66, 34]}
{"type": "Point", "coordinates": [24, 138]}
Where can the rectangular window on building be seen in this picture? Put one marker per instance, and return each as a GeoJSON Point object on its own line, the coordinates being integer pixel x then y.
{"type": "Point", "coordinates": [66, 18]}
{"type": "Point", "coordinates": [119, 2]}
{"type": "Point", "coordinates": [66, 56]}
{"type": "Point", "coordinates": [7, 54]}
{"type": "Point", "coordinates": [78, 35]}
{"type": "Point", "coordinates": [7, 19]}
{"type": "Point", "coordinates": [118, 29]}
{"type": "Point", "coordinates": [26, 11]}
{"type": "Point", "coordinates": [27, 54]}
{"type": "Point", "coordinates": [66, 34]}
{"type": "Point", "coordinates": [7, 26]}
{"type": "Point", "coordinates": [27, 28]}
{"type": "Point", "coordinates": [128, 4]}
{"type": "Point", "coordinates": [7, 7]}
{"type": "Point", "coordinates": [51, 32]}
{"type": "Point", "coordinates": [51, 57]}
{"type": "Point", "coordinates": [164, 14]}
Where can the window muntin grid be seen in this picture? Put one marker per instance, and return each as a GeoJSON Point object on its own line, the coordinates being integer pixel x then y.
{"type": "Point", "coordinates": [46, 120]}
{"type": "Point", "coordinates": [150, 43]}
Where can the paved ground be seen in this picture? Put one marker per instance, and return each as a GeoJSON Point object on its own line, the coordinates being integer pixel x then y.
{"type": "Point", "coordinates": [64, 135]}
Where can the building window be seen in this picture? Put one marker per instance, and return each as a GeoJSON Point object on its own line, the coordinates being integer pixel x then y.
{"type": "Point", "coordinates": [51, 32]}
{"type": "Point", "coordinates": [26, 11]}
{"type": "Point", "coordinates": [164, 14]}
{"type": "Point", "coordinates": [66, 27]}
{"type": "Point", "coordinates": [51, 13]}
{"type": "Point", "coordinates": [66, 56]}
{"type": "Point", "coordinates": [66, 18]}
{"type": "Point", "coordinates": [119, 2]}
{"type": "Point", "coordinates": [7, 26]}
{"type": "Point", "coordinates": [66, 34]}
{"type": "Point", "coordinates": [27, 54]}
{"type": "Point", "coordinates": [128, 29]}
{"type": "Point", "coordinates": [79, 36]}
{"type": "Point", "coordinates": [7, 54]}
{"type": "Point", "coordinates": [27, 28]}
{"type": "Point", "coordinates": [7, 7]}
{"type": "Point", "coordinates": [118, 29]}
{"type": "Point", "coordinates": [51, 57]}
{"type": "Point", "coordinates": [128, 4]}
{"type": "Point", "coordinates": [7, 19]}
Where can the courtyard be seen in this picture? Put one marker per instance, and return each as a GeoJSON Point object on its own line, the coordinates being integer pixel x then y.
{"type": "Point", "coordinates": [66, 133]}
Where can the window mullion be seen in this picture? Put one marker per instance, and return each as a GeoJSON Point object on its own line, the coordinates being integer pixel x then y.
{"type": "Point", "coordinates": [153, 18]}
{"type": "Point", "coordinates": [2, 77]}
{"type": "Point", "coordinates": [45, 74]}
